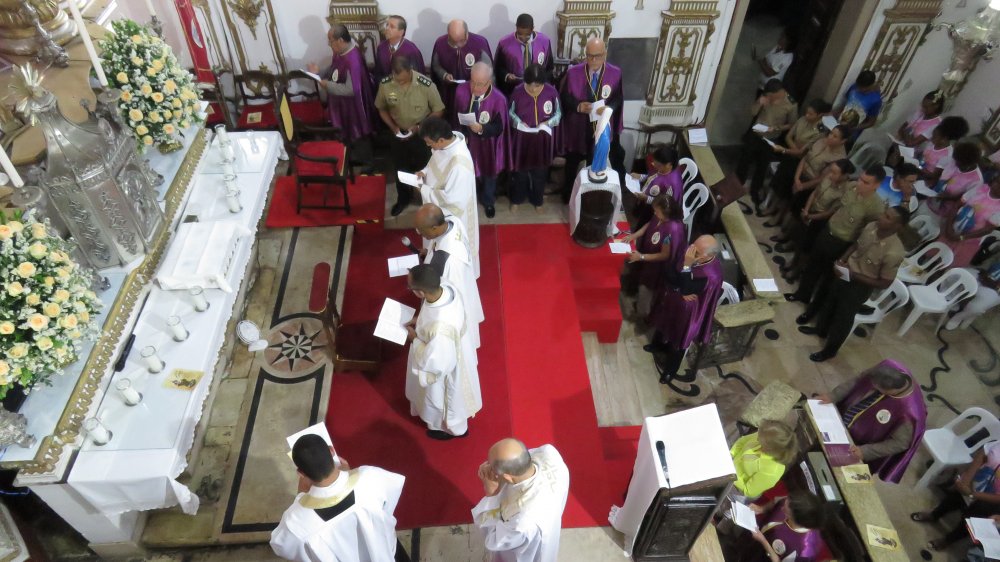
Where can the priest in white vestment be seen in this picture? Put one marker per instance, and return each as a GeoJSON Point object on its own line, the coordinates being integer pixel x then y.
{"type": "Point", "coordinates": [449, 180]}
{"type": "Point", "coordinates": [442, 380]}
{"type": "Point", "coordinates": [339, 515]}
{"type": "Point", "coordinates": [447, 248]}
{"type": "Point", "coordinates": [526, 491]}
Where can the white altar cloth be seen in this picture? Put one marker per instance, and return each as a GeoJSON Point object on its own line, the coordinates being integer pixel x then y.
{"type": "Point", "coordinates": [137, 469]}
{"type": "Point", "coordinates": [583, 185]}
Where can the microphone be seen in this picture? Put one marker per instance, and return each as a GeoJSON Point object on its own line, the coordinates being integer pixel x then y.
{"type": "Point", "coordinates": [409, 245]}
{"type": "Point", "coordinates": [661, 451]}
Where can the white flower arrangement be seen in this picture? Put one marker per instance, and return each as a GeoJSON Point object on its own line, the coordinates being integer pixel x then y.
{"type": "Point", "coordinates": [159, 99]}
{"type": "Point", "coordinates": [47, 308]}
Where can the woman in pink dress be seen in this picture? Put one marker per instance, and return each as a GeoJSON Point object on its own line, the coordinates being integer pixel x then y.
{"type": "Point", "coordinates": [936, 154]}
{"type": "Point", "coordinates": [917, 129]}
{"type": "Point", "coordinates": [961, 176]}
{"type": "Point", "coordinates": [977, 216]}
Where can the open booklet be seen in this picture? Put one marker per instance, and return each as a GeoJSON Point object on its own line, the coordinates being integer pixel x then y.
{"type": "Point", "coordinates": [391, 319]}
{"type": "Point", "coordinates": [984, 531]}
{"type": "Point", "coordinates": [744, 516]}
{"type": "Point", "coordinates": [543, 128]}
{"type": "Point", "coordinates": [467, 119]}
{"type": "Point", "coordinates": [400, 266]}
{"type": "Point", "coordinates": [409, 179]}
{"type": "Point", "coordinates": [827, 418]}
{"type": "Point", "coordinates": [318, 429]}
{"type": "Point", "coordinates": [632, 184]}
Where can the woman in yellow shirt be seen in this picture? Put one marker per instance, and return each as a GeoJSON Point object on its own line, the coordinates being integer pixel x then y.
{"type": "Point", "coordinates": [761, 457]}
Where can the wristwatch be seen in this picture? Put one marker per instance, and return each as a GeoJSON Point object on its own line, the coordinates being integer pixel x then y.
{"type": "Point", "coordinates": [642, 257]}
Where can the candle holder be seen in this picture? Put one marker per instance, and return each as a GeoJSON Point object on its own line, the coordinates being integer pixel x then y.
{"type": "Point", "coordinates": [177, 329]}
{"type": "Point", "coordinates": [230, 181]}
{"type": "Point", "coordinates": [198, 299]}
{"type": "Point", "coordinates": [130, 396]}
{"type": "Point", "coordinates": [228, 153]}
{"type": "Point", "coordinates": [99, 434]}
{"type": "Point", "coordinates": [152, 361]}
{"type": "Point", "coordinates": [228, 169]}
{"type": "Point", "coordinates": [233, 201]}
{"type": "Point", "coordinates": [222, 134]}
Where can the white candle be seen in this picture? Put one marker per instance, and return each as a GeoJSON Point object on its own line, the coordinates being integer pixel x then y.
{"type": "Point", "coordinates": [85, 35]}
{"type": "Point", "coordinates": [9, 168]}
{"type": "Point", "coordinates": [227, 168]}
{"type": "Point", "coordinates": [220, 131]}
{"type": "Point", "coordinates": [177, 328]}
{"type": "Point", "coordinates": [228, 152]}
{"type": "Point", "coordinates": [98, 433]}
{"type": "Point", "coordinates": [198, 299]}
{"type": "Point", "coordinates": [149, 6]}
{"type": "Point", "coordinates": [233, 201]}
{"type": "Point", "coordinates": [130, 395]}
{"type": "Point", "coordinates": [152, 361]}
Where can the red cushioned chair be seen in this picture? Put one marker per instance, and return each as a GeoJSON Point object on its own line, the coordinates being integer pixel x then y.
{"type": "Point", "coordinates": [259, 93]}
{"type": "Point", "coordinates": [304, 99]}
{"type": "Point", "coordinates": [315, 164]}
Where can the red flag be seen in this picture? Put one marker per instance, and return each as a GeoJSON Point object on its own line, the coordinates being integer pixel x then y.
{"type": "Point", "coordinates": [195, 40]}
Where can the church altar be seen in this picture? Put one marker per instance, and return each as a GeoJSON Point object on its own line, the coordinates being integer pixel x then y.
{"type": "Point", "coordinates": [102, 490]}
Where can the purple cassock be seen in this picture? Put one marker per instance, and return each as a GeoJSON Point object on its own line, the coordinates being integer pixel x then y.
{"type": "Point", "coordinates": [880, 420]}
{"type": "Point", "coordinates": [654, 185]}
{"type": "Point", "coordinates": [682, 322]}
{"type": "Point", "coordinates": [530, 151]}
{"type": "Point", "coordinates": [658, 233]}
{"type": "Point", "coordinates": [577, 133]}
{"type": "Point", "coordinates": [807, 545]}
{"type": "Point", "coordinates": [384, 54]}
{"type": "Point", "coordinates": [458, 62]}
{"type": "Point", "coordinates": [355, 114]}
{"type": "Point", "coordinates": [512, 55]}
{"type": "Point", "coordinates": [489, 149]}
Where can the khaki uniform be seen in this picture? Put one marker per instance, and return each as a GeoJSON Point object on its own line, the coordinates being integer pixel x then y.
{"type": "Point", "coordinates": [803, 132]}
{"type": "Point", "coordinates": [818, 156]}
{"type": "Point", "coordinates": [776, 115]}
{"type": "Point", "coordinates": [408, 105]}
{"type": "Point", "coordinates": [854, 213]}
{"type": "Point", "coordinates": [876, 257]}
{"type": "Point", "coordinates": [828, 196]}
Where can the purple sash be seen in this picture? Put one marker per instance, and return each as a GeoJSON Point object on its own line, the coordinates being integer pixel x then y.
{"type": "Point", "coordinates": [353, 115]}
{"type": "Point", "coordinates": [527, 150]}
{"type": "Point", "coordinates": [659, 233]}
{"type": "Point", "coordinates": [488, 153]}
{"type": "Point", "coordinates": [383, 58]}
{"type": "Point", "coordinates": [457, 62]}
{"type": "Point", "coordinates": [872, 425]}
{"type": "Point", "coordinates": [670, 184]}
{"type": "Point", "coordinates": [682, 322]}
{"type": "Point", "coordinates": [510, 56]}
{"type": "Point", "coordinates": [807, 546]}
{"type": "Point", "coordinates": [577, 134]}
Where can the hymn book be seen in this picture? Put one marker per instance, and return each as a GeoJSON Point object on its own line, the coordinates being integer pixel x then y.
{"type": "Point", "coordinates": [744, 516]}
{"type": "Point", "coordinates": [632, 184]}
{"type": "Point", "coordinates": [698, 136]}
{"type": "Point", "coordinates": [984, 531]}
{"type": "Point", "coordinates": [392, 319]}
{"type": "Point", "coordinates": [828, 422]}
{"type": "Point", "coordinates": [620, 248]}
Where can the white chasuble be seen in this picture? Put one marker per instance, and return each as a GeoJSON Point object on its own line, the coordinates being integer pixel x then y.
{"type": "Point", "coordinates": [523, 521]}
{"type": "Point", "coordinates": [350, 520]}
{"type": "Point", "coordinates": [458, 271]}
{"type": "Point", "coordinates": [450, 183]}
{"type": "Point", "coordinates": [442, 380]}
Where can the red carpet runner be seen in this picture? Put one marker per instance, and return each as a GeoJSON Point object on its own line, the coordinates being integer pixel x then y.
{"type": "Point", "coordinates": [532, 369]}
{"type": "Point", "coordinates": [367, 203]}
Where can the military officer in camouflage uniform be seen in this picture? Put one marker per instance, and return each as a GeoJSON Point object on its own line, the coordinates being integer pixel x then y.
{"type": "Point", "coordinates": [404, 100]}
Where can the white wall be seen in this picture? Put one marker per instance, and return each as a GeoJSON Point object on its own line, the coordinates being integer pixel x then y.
{"type": "Point", "coordinates": [980, 95]}
{"type": "Point", "coordinates": [167, 14]}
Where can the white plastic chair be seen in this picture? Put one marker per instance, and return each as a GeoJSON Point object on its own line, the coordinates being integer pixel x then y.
{"type": "Point", "coordinates": [689, 170]}
{"type": "Point", "coordinates": [892, 297]}
{"type": "Point", "coordinates": [918, 268]}
{"type": "Point", "coordinates": [729, 294]}
{"type": "Point", "coordinates": [926, 228]}
{"type": "Point", "coordinates": [951, 449]}
{"type": "Point", "coordinates": [695, 195]}
{"type": "Point", "coordinates": [938, 297]}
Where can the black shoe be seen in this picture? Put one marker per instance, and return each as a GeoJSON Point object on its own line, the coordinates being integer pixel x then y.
{"type": "Point", "coordinates": [802, 319]}
{"type": "Point", "coordinates": [792, 297]}
{"type": "Point", "coordinates": [822, 355]}
{"type": "Point", "coordinates": [653, 347]}
{"type": "Point", "coordinates": [808, 330]}
{"type": "Point", "coordinates": [398, 208]}
{"type": "Point", "coordinates": [444, 435]}
{"type": "Point", "coordinates": [491, 212]}
{"type": "Point", "coordinates": [665, 379]}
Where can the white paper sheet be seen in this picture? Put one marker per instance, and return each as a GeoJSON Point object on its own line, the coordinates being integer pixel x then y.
{"type": "Point", "coordinates": [543, 128]}
{"type": "Point", "coordinates": [457, 81]}
{"type": "Point", "coordinates": [311, 75]}
{"type": "Point", "coordinates": [984, 531]}
{"type": "Point", "coordinates": [409, 179]}
{"type": "Point", "coordinates": [403, 134]}
{"type": "Point", "coordinates": [744, 516]}
{"type": "Point", "coordinates": [594, 115]}
{"type": "Point", "coordinates": [391, 319]}
{"type": "Point", "coordinates": [829, 121]}
{"type": "Point", "coordinates": [467, 119]}
{"type": "Point", "coordinates": [620, 248]}
{"type": "Point", "coordinates": [842, 272]}
{"type": "Point", "coordinates": [769, 142]}
{"type": "Point", "coordinates": [765, 285]}
{"type": "Point", "coordinates": [761, 128]}
{"type": "Point", "coordinates": [698, 136]}
{"type": "Point", "coordinates": [318, 429]}
{"type": "Point", "coordinates": [632, 184]}
{"type": "Point", "coordinates": [827, 418]}
{"type": "Point", "coordinates": [920, 186]}
{"type": "Point", "coordinates": [400, 266]}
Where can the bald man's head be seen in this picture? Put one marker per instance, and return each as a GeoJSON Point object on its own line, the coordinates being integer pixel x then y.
{"type": "Point", "coordinates": [429, 218]}
{"type": "Point", "coordinates": [707, 245]}
{"type": "Point", "coordinates": [596, 53]}
{"type": "Point", "coordinates": [480, 78]}
{"type": "Point", "coordinates": [458, 32]}
{"type": "Point", "coordinates": [509, 459]}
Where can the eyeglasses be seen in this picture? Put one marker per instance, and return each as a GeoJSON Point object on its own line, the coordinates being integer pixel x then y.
{"type": "Point", "coordinates": [595, 56]}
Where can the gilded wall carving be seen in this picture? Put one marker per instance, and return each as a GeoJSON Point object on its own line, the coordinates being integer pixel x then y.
{"type": "Point", "coordinates": [249, 12]}
{"type": "Point", "coordinates": [362, 19]}
{"type": "Point", "coordinates": [244, 32]}
{"type": "Point", "coordinates": [579, 21]}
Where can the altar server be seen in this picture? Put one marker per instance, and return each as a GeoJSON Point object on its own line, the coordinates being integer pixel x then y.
{"type": "Point", "coordinates": [584, 85]}
{"type": "Point", "coordinates": [442, 382]}
{"type": "Point", "coordinates": [339, 515]}
{"type": "Point", "coordinates": [446, 247]}
{"type": "Point", "coordinates": [487, 137]}
{"type": "Point", "coordinates": [396, 43]}
{"type": "Point", "coordinates": [452, 59]}
{"type": "Point", "coordinates": [349, 88]}
{"type": "Point", "coordinates": [526, 491]}
{"type": "Point", "coordinates": [449, 180]}
{"type": "Point", "coordinates": [519, 50]}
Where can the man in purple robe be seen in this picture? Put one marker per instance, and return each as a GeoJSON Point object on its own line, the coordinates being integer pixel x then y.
{"type": "Point", "coordinates": [452, 60]}
{"type": "Point", "coordinates": [396, 43]}
{"type": "Point", "coordinates": [535, 105]}
{"type": "Point", "coordinates": [584, 85]}
{"type": "Point", "coordinates": [885, 414]}
{"type": "Point", "coordinates": [348, 86]}
{"type": "Point", "coordinates": [520, 49]}
{"type": "Point", "coordinates": [687, 305]}
{"type": "Point", "coordinates": [487, 135]}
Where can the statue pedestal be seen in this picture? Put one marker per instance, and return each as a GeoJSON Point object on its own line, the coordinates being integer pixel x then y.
{"type": "Point", "coordinates": [594, 208]}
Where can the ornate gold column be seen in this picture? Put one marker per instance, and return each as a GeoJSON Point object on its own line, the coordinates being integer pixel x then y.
{"type": "Point", "coordinates": [685, 33]}
{"type": "Point", "coordinates": [253, 30]}
{"type": "Point", "coordinates": [903, 31]}
{"type": "Point", "coordinates": [17, 36]}
{"type": "Point", "coordinates": [580, 20]}
{"type": "Point", "coordinates": [362, 20]}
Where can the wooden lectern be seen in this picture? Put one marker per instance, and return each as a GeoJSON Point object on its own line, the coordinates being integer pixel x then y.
{"type": "Point", "coordinates": [666, 510]}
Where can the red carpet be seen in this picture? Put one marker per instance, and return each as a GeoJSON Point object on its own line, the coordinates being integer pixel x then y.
{"type": "Point", "coordinates": [367, 204]}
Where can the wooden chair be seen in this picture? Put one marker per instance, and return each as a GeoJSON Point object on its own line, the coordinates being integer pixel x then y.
{"type": "Point", "coordinates": [221, 97]}
{"type": "Point", "coordinates": [320, 163]}
{"type": "Point", "coordinates": [304, 99]}
{"type": "Point", "coordinates": [353, 347]}
{"type": "Point", "coordinates": [258, 91]}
